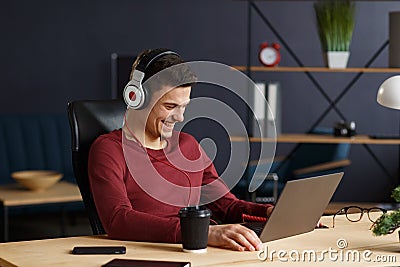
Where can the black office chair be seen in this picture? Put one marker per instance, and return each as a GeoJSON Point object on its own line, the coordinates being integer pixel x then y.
{"type": "Point", "coordinates": [89, 119]}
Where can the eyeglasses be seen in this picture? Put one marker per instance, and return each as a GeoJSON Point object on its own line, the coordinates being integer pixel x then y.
{"type": "Point", "coordinates": [355, 213]}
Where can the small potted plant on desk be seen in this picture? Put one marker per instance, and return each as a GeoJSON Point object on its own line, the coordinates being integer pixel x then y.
{"type": "Point", "coordinates": [387, 223]}
{"type": "Point", "coordinates": [335, 20]}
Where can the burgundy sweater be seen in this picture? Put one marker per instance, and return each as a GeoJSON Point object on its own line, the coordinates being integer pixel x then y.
{"type": "Point", "coordinates": [127, 212]}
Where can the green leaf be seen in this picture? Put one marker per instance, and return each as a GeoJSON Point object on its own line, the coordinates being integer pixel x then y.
{"type": "Point", "coordinates": [396, 194]}
{"type": "Point", "coordinates": [335, 20]}
{"type": "Point", "coordinates": [388, 222]}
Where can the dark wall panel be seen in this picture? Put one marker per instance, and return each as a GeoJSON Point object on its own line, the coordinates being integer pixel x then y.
{"type": "Point", "coordinates": [53, 52]}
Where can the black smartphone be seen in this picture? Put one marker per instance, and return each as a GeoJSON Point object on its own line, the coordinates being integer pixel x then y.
{"type": "Point", "coordinates": [99, 250]}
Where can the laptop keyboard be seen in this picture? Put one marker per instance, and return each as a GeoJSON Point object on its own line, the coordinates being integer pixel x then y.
{"type": "Point", "coordinates": [257, 227]}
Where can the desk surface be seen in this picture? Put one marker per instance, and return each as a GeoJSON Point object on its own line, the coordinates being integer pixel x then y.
{"type": "Point", "coordinates": [56, 252]}
{"type": "Point", "coordinates": [318, 138]}
{"type": "Point", "coordinates": [16, 195]}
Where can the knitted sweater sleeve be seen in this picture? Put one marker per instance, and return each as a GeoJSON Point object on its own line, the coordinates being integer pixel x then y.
{"type": "Point", "coordinates": [228, 208]}
{"type": "Point", "coordinates": [107, 174]}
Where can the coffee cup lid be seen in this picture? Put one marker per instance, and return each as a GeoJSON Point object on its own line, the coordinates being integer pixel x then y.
{"type": "Point", "coordinates": [194, 211]}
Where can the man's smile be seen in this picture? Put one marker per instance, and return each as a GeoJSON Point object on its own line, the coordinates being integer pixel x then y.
{"type": "Point", "coordinates": [168, 124]}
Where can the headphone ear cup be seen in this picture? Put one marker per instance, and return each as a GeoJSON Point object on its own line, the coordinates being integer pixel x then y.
{"type": "Point", "coordinates": [145, 98]}
{"type": "Point", "coordinates": [134, 96]}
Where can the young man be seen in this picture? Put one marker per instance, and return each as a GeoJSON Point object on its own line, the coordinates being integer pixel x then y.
{"type": "Point", "coordinates": [138, 175]}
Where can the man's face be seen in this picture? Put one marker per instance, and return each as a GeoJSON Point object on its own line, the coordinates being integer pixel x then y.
{"type": "Point", "coordinates": [167, 111]}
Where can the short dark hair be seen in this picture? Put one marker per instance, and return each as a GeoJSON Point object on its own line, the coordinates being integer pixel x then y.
{"type": "Point", "coordinates": [181, 75]}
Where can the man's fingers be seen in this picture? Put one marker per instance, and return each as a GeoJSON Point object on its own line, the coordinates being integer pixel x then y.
{"type": "Point", "coordinates": [243, 241]}
{"type": "Point", "coordinates": [232, 244]}
{"type": "Point", "coordinates": [235, 236]}
{"type": "Point", "coordinates": [246, 238]}
{"type": "Point", "coordinates": [252, 238]}
{"type": "Point", "coordinates": [269, 210]}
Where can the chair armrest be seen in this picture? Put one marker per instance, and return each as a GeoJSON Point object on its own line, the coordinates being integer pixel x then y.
{"type": "Point", "coordinates": [323, 167]}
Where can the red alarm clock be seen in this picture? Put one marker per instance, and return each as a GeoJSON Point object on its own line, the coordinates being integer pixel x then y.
{"type": "Point", "coordinates": [269, 55]}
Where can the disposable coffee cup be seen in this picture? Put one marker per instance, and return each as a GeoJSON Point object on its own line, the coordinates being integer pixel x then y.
{"type": "Point", "coordinates": [195, 222]}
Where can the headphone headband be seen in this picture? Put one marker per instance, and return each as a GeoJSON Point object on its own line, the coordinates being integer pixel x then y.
{"type": "Point", "coordinates": [152, 56]}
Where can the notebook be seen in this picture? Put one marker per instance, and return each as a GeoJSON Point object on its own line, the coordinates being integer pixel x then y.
{"type": "Point", "coordinates": [299, 207]}
{"type": "Point", "coordinates": [144, 263]}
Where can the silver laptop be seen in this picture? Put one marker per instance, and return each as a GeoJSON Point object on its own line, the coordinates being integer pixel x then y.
{"type": "Point", "coordinates": [299, 207]}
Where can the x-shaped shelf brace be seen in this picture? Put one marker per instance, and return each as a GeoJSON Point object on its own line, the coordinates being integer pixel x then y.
{"type": "Point", "coordinates": [332, 103]}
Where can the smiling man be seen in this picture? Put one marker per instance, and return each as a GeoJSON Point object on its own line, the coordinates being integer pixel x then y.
{"type": "Point", "coordinates": [157, 124]}
{"type": "Point", "coordinates": [141, 175]}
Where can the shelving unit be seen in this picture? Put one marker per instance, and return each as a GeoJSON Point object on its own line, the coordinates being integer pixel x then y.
{"type": "Point", "coordinates": [308, 71]}
{"type": "Point", "coordinates": [317, 138]}
{"type": "Point", "coordinates": [317, 69]}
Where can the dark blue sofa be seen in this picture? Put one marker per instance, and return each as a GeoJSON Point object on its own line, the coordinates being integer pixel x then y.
{"type": "Point", "coordinates": [35, 142]}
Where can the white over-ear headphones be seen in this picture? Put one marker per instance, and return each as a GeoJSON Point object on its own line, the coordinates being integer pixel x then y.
{"type": "Point", "coordinates": [135, 95]}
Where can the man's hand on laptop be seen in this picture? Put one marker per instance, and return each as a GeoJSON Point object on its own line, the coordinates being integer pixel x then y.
{"type": "Point", "coordinates": [233, 236]}
{"type": "Point", "coordinates": [269, 210]}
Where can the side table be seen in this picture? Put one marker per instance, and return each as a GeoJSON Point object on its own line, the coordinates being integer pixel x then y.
{"type": "Point", "coordinates": [14, 195]}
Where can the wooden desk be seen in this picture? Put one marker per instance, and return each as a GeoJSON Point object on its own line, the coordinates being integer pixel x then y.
{"type": "Point", "coordinates": [56, 252]}
{"type": "Point", "coordinates": [14, 195]}
{"type": "Point", "coordinates": [319, 138]}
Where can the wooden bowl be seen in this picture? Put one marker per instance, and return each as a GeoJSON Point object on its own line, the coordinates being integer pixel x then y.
{"type": "Point", "coordinates": [37, 180]}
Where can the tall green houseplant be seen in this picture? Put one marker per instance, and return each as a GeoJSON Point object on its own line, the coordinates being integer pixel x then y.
{"type": "Point", "coordinates": [335, 20]}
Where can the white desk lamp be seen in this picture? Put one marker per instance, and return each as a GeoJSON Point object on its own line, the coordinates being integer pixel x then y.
{"type": "Point", "coordinates": [389, 93]}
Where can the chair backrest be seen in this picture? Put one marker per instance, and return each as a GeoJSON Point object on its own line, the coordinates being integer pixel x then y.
{"type": "Point", "coordinates": [312, 154]}
{"type": "Point", "coordinates": [305, 160]}
{"type": "Point", "coordinates": [308, 154]}
{"type": "Point", "coordinates": [89, 119]}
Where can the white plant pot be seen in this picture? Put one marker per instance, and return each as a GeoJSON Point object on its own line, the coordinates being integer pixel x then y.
{"type": "Point", "coordinates": [337, 59]}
